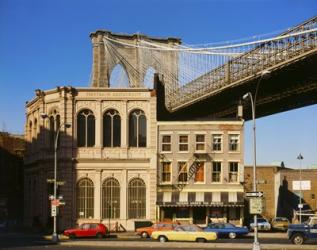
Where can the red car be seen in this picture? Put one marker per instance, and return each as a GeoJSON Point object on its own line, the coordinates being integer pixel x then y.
{"type": "Point", "coordinates": [87, 230]}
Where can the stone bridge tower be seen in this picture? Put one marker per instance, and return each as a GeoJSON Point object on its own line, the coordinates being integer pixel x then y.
{"type": "Point", "coordinates": [135, 60]}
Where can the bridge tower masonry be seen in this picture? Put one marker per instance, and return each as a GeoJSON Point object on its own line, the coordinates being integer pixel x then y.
{"type": "Point", "coordinates": [110, 49]}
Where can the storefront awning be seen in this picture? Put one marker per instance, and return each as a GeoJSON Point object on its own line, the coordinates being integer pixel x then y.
{"type": "Point", "coordinates": [200, 199]}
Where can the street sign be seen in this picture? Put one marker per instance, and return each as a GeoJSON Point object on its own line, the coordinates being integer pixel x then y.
{"type": "Point", "coordinates": [60, 183]}
{"type": "Point", "coordinates": [300, 205]}
{"type": "Point", "coordinates": [50, 180]}
{"type": "Point", "coordinates": [62, 203]}
{"type": "Point", "coordinates": [256, 205]}
{"type": "Point", "coordinates": [53, 211]}
{"type": "Point", "coordinates": [253, 194]}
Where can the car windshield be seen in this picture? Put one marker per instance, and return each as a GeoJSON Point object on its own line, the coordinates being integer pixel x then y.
{"type": "Point", "coordinates": [261, 220]}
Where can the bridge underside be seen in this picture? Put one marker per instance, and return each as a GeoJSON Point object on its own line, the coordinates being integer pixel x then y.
{"type": "Point", "coordinates": [290, 87]}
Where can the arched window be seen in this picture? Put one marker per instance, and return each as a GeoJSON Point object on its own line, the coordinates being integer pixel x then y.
{"type": "Point", "coordinates": [111, 129]}
{"type": "Point", "coordinates": [119, 77]}
{"type": "Point", "coordinates": [85, 198]}
{"type": "Point", "coordinates": [149, 78]}
{"type": "Point", "coordinates": [111, 199]}
{"type": "Point", "coordinates": [137, 129]}
{"type": "Point", "coordinates": [137, 199]}
{"type": "Point", "coordinates": [86, 128]}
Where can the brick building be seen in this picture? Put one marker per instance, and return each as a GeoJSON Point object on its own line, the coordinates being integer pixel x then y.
{"type": "Point", "coordinates": [280, 195]}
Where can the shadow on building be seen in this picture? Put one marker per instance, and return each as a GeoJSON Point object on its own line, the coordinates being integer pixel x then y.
{"type": "Point", "coordinates": [288, 201]}
{"type": "Point", "coordinates": [11, 179]}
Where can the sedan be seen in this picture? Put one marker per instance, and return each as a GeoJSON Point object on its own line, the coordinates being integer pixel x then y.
{"type": "Point", "coordinates": [263, 224]}
{"type": "Point", "coordinates": [184, 233]}
{"type": "Point", "coordinates": [227, 230]}
{"type": "Point", "coordinates": [146, 232]}
{"type": "Point", "coordinates": [98, 230]}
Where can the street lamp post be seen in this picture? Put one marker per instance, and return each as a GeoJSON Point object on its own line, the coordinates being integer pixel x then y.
{"type": "Point", "coordinates": [256, 244]}
{"type": "Point", "coordinates": [300, 158]}
{"type": "Point", "coordinates": [66, 125]}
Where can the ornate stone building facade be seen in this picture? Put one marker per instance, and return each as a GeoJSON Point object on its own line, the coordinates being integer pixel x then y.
{"type": "Point", "coordinates": [107, 158]}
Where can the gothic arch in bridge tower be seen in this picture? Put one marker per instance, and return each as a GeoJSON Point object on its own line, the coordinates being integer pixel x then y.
{"type": "Point", "coordinates": [110, 49]}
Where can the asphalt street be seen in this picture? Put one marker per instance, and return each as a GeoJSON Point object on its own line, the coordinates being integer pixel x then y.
{"type": "Point", "coordinates": [30, 241]}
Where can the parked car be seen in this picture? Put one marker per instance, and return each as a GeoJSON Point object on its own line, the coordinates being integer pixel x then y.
{"type": "Point", "coordinates": [299, 233]}
{"type": "Point", "coordinates": [226, 230]}
{"type": "Point", "coordinates": [280, 223]}
{"type": "Point", "coordinates": [146, 232]}
{"type": "Point", "coordinates": [184, 233]}
{"type": "Point", "coordinates": [263, 224]}
{"type": "Point", "coordinates": [87, 230]}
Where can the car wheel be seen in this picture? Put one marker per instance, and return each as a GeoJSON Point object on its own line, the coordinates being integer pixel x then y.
{"type": "Point", "coordinates": [201, 240]}
{"type": "Point", "coordinates": [232, 235]}
{"type": "Point", "coordinates": [72, 236]}
{"type": "Point", "coordinates": [162, 238]}
{"type": "Point", "coordinates": [298, 239]}
{"type": "Point", "coordinates": [144, 235]}
{"type": "Point", "coordinates": [99, 235]}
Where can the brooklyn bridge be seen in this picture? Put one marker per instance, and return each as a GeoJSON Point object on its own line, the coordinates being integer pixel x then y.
{"type": "Point", "coordinates": [209, 80]}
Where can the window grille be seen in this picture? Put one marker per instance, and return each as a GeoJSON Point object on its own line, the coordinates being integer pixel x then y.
{"type": "Point", "coordinates": [137, 129]}
{"type": "Point", "coordinates": [85, 198]}
{"type": "Point", "coordinates": [111, 129]}
{"type": "Point", "coordinates": [111, 199]}
{"type": "Point", "coordinates": [136, 199]}
{"type": "Point", "coordinates": [86, 129]}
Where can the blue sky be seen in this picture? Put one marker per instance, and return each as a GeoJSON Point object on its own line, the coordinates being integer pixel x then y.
{"type": "Point", "coordinates": [44, 44]}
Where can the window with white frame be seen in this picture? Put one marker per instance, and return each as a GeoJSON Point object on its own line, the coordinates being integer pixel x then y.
{"type": "Point", "coordinates": [233, 171]}
{"type": "Point", "coordinates": [183, 143]}
{"type": "Point", "coordinates": [200, 142]}
{"type": "Point", "coordinates": [166, 171]}
{"type": "Point", "coordinates": [182, 171]}
{"type": "Point", "coordinates": [166, 143]}
{"type": "Point", "coordinates": [233, 142]}
{"type": "Point", "coordinates": [216, 142]}
{"type": "Point", "coordinates": [216, 171]}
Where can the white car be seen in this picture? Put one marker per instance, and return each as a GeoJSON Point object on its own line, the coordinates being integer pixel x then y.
{"type": "Point", "coordinates": [263, 224]}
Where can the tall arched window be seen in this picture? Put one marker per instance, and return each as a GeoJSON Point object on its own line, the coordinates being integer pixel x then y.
{"type": "Point", "coordinates": [111, 199]}
{"type": "Point", "coordinates": [111, 129]}
{"type": "Point", "coordinates": [85, 198]}
{"type": "Point", "coordinates": [86, 128]}
{"type": "Point", "coordinates": [136, 199]}
{"type": "Point", "coordinates": [137, 129]}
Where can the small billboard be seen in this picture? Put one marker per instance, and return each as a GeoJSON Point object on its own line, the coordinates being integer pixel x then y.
{"type": "Point", "coordinates": [301, 185]}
